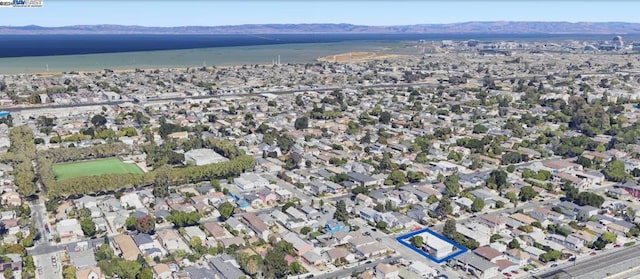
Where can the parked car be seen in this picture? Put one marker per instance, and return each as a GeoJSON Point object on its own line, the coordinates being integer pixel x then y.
{"type": "Point", "coordinates": [592, 253]}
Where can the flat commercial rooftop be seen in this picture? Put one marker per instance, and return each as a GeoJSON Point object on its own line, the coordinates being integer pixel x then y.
{"type": "Point", "coordinates": [432, 236]}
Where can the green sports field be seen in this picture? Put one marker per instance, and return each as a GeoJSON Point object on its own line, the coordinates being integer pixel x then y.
{"type": "Point", "coordinates": [93, 167]}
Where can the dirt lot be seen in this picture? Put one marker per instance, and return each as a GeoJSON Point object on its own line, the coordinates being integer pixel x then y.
{"type": "Point", "coordinates": [357, 57]}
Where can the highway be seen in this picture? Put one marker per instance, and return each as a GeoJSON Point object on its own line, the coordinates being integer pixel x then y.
{"type": "Point", "coordinates": [596, 267]}
{"type": "Point", "coordinates": [182, 98]}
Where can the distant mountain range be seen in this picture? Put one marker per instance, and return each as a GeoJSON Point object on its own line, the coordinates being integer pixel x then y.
{"type": "Point", "coordinates": [492, 27]}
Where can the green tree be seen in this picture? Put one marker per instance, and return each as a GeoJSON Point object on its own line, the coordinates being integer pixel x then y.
{"type": "Point", "coordinates": [296, 268]}
{"type": "Point", "coordinates": [497, 179]}
{"type": "Point", "coordinates": [432, 199]}
{"type": "Point", "coordinates": [527, 193]}
{"type": "Point", "coordinates": [478, 205]}
{"type": "Point", "coordinates": [385, 117]}
{"type": "Point", "coordinates": [511, 196]}
{"type": "Point", "coordinates": [104, 253]}
{"type": "Point", "coordinates": [454, 156]}
{"type": "Point", "coordinates": [287, 205]}
{"type": "Point", "coordinates": [305, 230]}
{"type": "Point", "coordinates": [397, 178]}
{"type": "Point", "coordinates": [285, 142]}
{"type": "Point", "coordinates": [480, 129]}
{"type": "Point", "coordinates": [252, 265]}
{"type": "Point", "coordinates": [226, 210]}
{"type": "Point", "coordinates": [633, 232]}
{"type": "Point", "coordinates": [422, 157]}
{"type": "Point", "coordinates": [444, 207]}
{"type": "Point", "coordinates": [125, 269]}
{"type": "Point", "coordinates": [599, 244]}
{"type": "Point", "coordinates": [301, 123]}
{"type": "Point", "coordinates": [514, 244]}
{"type": "Point", "coordinates": [511, 158]}
{"type": "Point", "coordinates": [275, 265]}
{"type": "Point", "coordinates": [68, 272]}
{"type": "Point", "coordinates": [98, 120]}
{"type": "Point", "coordinates": [495, 237]}
{"type": "Point", "coordinates": [551, 255]}
{"type": "Point", "coordinates": [145, 273]}
{"type": "Point", "coordinates": [161, 182]}
{"type": "Point", "coordinates": [614, 171]}
{"type": "Point", "coordinates": [88, 227]}
{"type": "Point", "coordinates": [417, 241]}
{"type": "Point", "coordinates": [415, 177]}
{"type": "Point", "coordinates": [29, 264]}
{"type": "Point", "coordinates": [286, 247]}
{"type": "Point", "coordinates": [196, 243]}
{"type": "Point", "coordinates": [130, 223]}
{"type": "Point", "coordinates": [584, 161]}
{"type": "Point", "coordinates": [360, 190]}
{"type": "Point", "coordinates": [341, 213]}
{"type": "Point", "coordinates": [382, 225]}
{"type": "Point", "coordinates": [452, 185]}
{"type": "Point", "coordinates": [385, 163]}
{"type": "Point", "coordinates": [366, 138]}
{"type": "Point", "coordinates": [183, 219]}
{"type": "Point", "coordinates": [589, 198]}
{"type": "Point", "coordinates": [449, 230]}
{"type": "Point", "coordinates": [608, 237]}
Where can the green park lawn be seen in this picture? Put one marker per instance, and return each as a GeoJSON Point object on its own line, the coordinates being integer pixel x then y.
{"type": "Point", "coordinates": [94, 167]}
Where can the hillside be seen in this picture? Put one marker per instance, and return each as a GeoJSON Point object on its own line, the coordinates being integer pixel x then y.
{"type": "Point", "coordinates": [495, 27]}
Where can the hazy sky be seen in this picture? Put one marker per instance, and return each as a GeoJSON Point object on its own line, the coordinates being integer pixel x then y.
{"type": "Point", "coordinates": [376, 12]}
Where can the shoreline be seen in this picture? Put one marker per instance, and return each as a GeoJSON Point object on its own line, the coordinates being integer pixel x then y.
{"type": "Point", "coordinates": [133, 70]}
{"type": "Point", "coordinates": [358, 56]}
{"type": "Point", "coordinates": [220, 57]}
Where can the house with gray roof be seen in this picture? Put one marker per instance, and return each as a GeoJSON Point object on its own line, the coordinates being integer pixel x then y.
{"type": "Point", "coordinates": [143, 241]}
{"type": "Point", "coordinates": [476, 265]}
{"type": "Point", "coordinates": [363, 179]}
{"type": "Point", "coordinates": [418, 213]}
{"type": "Point", "coordinates": [84, 258]}
{"type": "Point", "coordinates": [311, 212]}
{"type": "Point", "coordinates": [224, 269]}
{"type": "Point", "coordinates": [300, 246]}
{"type": "Point", "coordinates": [200, 273]}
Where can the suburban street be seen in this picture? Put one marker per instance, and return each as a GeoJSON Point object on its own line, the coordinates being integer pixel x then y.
{"type": "Point", "coordinates": [346, 272]}
{"type": "Point", "coordinates": [45, 268]}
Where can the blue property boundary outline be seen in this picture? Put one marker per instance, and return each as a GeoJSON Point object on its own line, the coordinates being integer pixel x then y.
{"type": "Point", "coordinates": [403, 239]}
